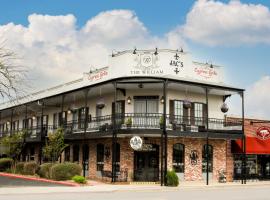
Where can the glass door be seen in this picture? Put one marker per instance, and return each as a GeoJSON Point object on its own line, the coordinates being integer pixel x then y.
{"type": "Point", "coordinates": [146, 111]}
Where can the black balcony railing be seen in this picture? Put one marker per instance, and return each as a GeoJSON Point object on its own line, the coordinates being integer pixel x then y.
{"type": "Point", "coordinates": [137, 121]}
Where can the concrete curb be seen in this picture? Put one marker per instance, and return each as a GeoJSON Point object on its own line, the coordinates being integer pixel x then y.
{"type": "Point", "coordinates": [38, 179]}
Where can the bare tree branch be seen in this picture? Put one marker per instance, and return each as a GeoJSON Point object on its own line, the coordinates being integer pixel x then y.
{"type": "Point", "coordinates": [12, 76]}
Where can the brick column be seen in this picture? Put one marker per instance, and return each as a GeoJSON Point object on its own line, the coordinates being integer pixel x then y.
{"type": "Point", "coordinates": [229, 162]}
{"type": "Point", "coordinates": [92, 159]}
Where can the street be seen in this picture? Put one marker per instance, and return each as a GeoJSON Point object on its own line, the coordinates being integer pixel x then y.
{"type": "Point", "coordinates": [226, 193]}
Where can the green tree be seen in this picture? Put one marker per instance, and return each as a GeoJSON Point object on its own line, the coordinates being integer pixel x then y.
{"type": "Point", "coordinates": [12, 145]}
{"type": "Point", "coordinates": [54, 145]}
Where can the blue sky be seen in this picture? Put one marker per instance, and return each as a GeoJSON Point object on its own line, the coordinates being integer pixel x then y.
{"type": "Point", "coordinates": [243, 48]}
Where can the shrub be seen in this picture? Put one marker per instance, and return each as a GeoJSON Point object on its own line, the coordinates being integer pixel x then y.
{"type": "Point", "coordinates": [172, 179]}
{"type": "Point", "coordinates": [65, 171]}
{"type": "Point", "coordinates": [45, 170]}
{"type": "Point", "coordinates": [5, 164]}
{"type": "Point", "coordinates": [79, 179]}
{"type": "Point", "coordinates": [19, 168]}
{"type": "Point", "coordinates": [30, 168]}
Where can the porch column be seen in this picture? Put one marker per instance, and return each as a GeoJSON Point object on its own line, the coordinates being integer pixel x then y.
{"type": "Point", "coordinates": [244, 160]}
{"type": "Point", "coordinates": [207, 139]}
{"type": "Point", "coordinates": [41, 132]}
{"type": "Point", "coordinates": [114, 134]}
{"type": "Point", "coordinates": [85, 162]}
{"type": "Point", "coordinates": [165, 84]}
{"type": "Point", "coordinates": [62, 110]}
{"type": "Point", "coordinates": [11, 120]}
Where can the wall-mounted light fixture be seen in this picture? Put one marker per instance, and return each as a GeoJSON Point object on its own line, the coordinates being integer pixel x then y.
{"type": "Point", "coordinates": [156, 52]}
{"type": "Point", "coordinates": [140, 85]}
{"type": "Point", "coordinates": [129, 100]}
{"type": "Point", "coordinates": [162, 100]}
{"type": "Point", "coordinates": [33, 117]}
{"type": "Point", "coordinates": [8, 122]}
{"type": "Point", "coordinates": [134, 51]}
{"type": "Point", "coordinates": [69, 111]}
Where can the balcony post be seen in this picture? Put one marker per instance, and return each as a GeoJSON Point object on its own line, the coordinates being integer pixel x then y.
{"type": "Point", "coordinates": [41, 118]}
{"type": "Point", "coordinates": [165, 84]}
{"type": "Point", "coordinates": [62, 110]}
{"type": "Point", "coordinates": [244, 160]}
{"type": "Point", "coordinates": [11, 120]}
{"type": "Point", "coordinates": [85, 128]}
{"type": "Point", "coordinates": [114, 135]}
{"type": "Point", "coordinates": [207, 138]}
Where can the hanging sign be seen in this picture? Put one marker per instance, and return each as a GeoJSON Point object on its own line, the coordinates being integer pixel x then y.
{"type": "Point", "coordinates": [136, 143]}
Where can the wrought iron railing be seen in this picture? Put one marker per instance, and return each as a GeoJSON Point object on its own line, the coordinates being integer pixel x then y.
{"type": "Point", "coordinates": [136, 121]}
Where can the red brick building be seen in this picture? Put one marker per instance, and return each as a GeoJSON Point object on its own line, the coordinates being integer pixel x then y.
{"type": "Point", "coordinates": [147, 112]}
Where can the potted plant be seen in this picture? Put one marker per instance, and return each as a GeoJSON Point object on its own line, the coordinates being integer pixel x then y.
{"type": "Point", "coordinates": [161, 122]}
{"type": "Point", "coordinates": [129, 122]}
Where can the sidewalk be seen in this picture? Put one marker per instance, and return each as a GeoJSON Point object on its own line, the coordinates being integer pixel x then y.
{"type": "Point", "coordinates": [101, 188]}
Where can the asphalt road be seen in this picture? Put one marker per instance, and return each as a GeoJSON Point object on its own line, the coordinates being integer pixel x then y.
{"type": "Point", "coordinates": [16, 182]}
{"type": "Point", "coordinates": [237, 193]}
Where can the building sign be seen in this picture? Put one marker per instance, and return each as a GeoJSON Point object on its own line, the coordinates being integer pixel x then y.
{"type": "Point", "coordinates": [150, 63]}
{"type": "Point", "coordinates": [205, 72]}
{"type": "Point", "coordinates": [263, 133]}
{"type": "Point", "coordinates": [136, 143]}
{"type": "Point", "coordinates": [148, 147]}
{"type": "Point", "coordinates": [193, 157]}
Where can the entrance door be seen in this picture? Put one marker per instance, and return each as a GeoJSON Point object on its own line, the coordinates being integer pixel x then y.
{"type": "Point", "coordinates": [146, 165]}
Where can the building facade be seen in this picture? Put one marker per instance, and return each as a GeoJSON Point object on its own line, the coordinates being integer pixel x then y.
{"type": "Point", "coordinates": [147, 112]}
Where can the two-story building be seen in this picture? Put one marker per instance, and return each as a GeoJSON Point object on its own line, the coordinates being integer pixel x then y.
{"type": "Point", "coordinates": [147, 112]}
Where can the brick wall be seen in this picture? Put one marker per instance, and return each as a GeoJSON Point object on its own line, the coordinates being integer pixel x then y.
{"type": "Point", "coordinates": [222, 157]}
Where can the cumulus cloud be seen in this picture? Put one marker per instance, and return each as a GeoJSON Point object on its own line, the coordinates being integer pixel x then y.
{"type": "Point", "coordinates": [55, 50]}
{"type": "Point", "coordinates": [258, 98]}
{"type": "Point", "coordinates": [216, 23]}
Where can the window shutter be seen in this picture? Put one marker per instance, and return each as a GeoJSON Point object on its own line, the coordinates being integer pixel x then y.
{"type": "Point", "coordinates": [204, 114]}
{"type": "Point", "coordinates": [192, 114]}
{"type": "Point", "coordinates": [171, 110]}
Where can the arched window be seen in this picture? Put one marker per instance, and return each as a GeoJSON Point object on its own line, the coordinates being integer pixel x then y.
{"type": "Point", "coordinates": [210, 158]}
{"type": "Point", "coordinates": [178, 157]}
{"type": "Point", "coordinates": [117, 158]}
{"type": "Point", "coordinates": [100, 157]}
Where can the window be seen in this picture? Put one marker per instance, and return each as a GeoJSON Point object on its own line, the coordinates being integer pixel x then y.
{"type": "Point", "coordinates": [210, 158]}
{"type": "Point", "coordinates": [55, 120]}
{"type": "Point", "coordinates": [198, 113]}
{"type": "Point", "coordinates": [28, 123]}
{"type": "Point", "coordinates": [15, 125]}
{"type": "Point", "coordinates": [67, 154]}
{"type": "Point", "coordinates": [83, 113]}
{"type": "Point", "coordinates": [100, 157]}
{"type": "Point", "coordinates": [76, 151]}
{"type": "Point", "coordinates": [117, 158]}
{"type": "Point", "coordinates": [178, 157]}
{"type": "Point", "coordinates": [178, 111]}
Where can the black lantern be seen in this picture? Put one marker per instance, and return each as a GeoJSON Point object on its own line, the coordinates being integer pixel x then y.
{"type": "Point", "coordinates": [162, 100]}
{"type": "Point", "coordinates": [224, 108]}
{"type": "Point", "coordinates": [187, 104]}
{"type": "Point", "coordinates": [129, 100]}
{"type": "Point", "coordinates": [100, 103]}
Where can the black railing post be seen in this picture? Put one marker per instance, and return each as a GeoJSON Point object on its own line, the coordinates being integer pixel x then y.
{"type": "Point", "coordinates": [11, 121]}
{"type": "Point", "coordinates": [62, 111]}
{"type": "Point", "coordinates": [207, 138]}
{"type": "Point", "coordinates": [85, 128]}
{"type": "Point", "coordinates": [165, 84]}
{"type": "Point", "coordinates": [243, 171]}
{"type": "Point", "coordinates": [114, 134]}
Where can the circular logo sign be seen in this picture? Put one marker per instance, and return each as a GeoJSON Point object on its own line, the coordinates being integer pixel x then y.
{"type": "Point", "coordinates": [136, 142]}
{"type": "Point", "coordinates": [263, 133]}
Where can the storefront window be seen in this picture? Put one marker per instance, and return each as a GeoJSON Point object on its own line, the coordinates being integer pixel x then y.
{"type": "Point", "coordinates": [210, 159]}
{"type": "Point", "coordinates": [67, 154]}
{"type": "Point", "coordinates": [100, 157]}
{"type": "Point", "coordinates": [178, 157]}
{"type": "Point", "coordinates": [76, 151]}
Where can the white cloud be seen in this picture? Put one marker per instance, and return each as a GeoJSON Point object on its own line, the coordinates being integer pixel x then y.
{"type": "Point", "coordinates": [258, 98]}
{"type": "Point", "coordinates": [215, 23]}
{"type": "Point", "coordinates": [55, 50]}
